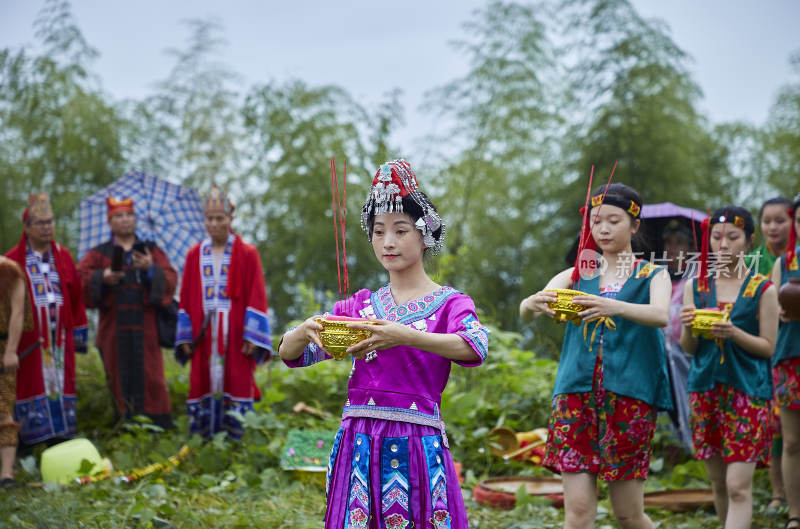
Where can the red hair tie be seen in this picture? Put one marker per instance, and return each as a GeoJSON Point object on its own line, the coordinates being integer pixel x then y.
{"type": "Point", "coordinates": [702, 281]}
{"type": "Point", "coordinates": [586, 234]}
{"type": "Point", "coordinates": [791, 251]}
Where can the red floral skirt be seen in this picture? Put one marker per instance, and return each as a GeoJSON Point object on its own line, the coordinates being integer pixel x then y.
{"type": "Point", "coordinates": [731, 424]}
{"type": "Point", "coordinates": [600, 432]}
{"type": "Point", "coordinates": [786, 380]}
{"type": "Point", "coordinates": [774, 419]}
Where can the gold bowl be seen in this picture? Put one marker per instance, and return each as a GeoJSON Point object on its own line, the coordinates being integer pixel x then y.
{"type": "Point", "coordinates": [565, 309]}
{"type": "Point", "coordinates": [704, 319]}
{"type": "Point", "coordinates": [336, 336]}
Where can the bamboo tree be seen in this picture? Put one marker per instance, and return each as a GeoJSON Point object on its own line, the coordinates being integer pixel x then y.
{"type": "Point", "coordinates": [190, 130]}
{"type": "Point", "coordinates": [293, 131]}
{"type": "Point", "coordinates": [640, 106]}
{"type": "Point", "coordinates": [494, 188]}
{"type": "Point", "coordinates": [57, 131]}
{"type": "Point", "coordinates": [782, 140]}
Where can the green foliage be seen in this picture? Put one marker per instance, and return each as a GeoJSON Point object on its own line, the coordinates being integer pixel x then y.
{"type": "Point", "coordinates": [782, 146]}
{"type": "Point", "coordinates": [506, 137]}
{"type": "Point", "coordinates": [295, 130]}
{"type": "Point", "coordinates": [190, 130]}
{"type": "Point", "coordinates": [57, 130]}
{"type": "Point", "coordinates": [636, 81]}
{"type": "Point", "coordinates": [472, 404]}
{"type": "Point", "coordinates": [529, 119]}
{"type": "Point", "coordinates": [749, 184]}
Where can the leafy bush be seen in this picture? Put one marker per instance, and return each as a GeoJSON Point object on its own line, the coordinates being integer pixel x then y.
{"type": "Point", "coordinates": [512, 388]}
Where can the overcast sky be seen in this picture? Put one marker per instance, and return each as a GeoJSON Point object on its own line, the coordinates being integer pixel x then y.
{"type": "Point", "coordinates": [740, 48]}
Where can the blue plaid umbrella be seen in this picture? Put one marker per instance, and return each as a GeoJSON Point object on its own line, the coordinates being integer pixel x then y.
{"type": "Point", "coordinates": [167, 214]}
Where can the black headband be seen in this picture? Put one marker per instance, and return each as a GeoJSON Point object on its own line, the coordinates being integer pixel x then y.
{"type": "Point", "coordinates": [741, 222]}
{"type": "Point", "coordinates": [630, 206]}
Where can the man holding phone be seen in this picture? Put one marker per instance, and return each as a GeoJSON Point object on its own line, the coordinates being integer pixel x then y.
{"type": "Point", "coordinates": [127, 280]}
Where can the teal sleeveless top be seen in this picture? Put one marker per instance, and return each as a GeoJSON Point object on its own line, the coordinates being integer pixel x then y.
{"type": "Point", "coordinates": [788, 343]}
{"type": "Point", "coordinates": [634, 357]}
{"type": "Point", "coordinates": [732, 365]}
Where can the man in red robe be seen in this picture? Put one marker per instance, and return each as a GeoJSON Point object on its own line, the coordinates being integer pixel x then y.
{"type": "Point", "coordinates": [46, 400]}
{"type": "Point", "coordinates": [222, 323]}
{"type": "Point", "coordinates": [128, 279]}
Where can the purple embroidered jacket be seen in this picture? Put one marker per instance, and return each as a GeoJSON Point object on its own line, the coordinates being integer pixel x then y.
{"type": "Point", "coordinates": [404, 383]}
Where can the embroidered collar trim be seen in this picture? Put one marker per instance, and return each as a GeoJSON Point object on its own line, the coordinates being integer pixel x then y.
{"type": "Point", "coordinates": [385, 307]}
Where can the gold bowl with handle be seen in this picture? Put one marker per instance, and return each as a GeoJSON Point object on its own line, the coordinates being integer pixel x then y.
{"type": "Point", "coordinates": [704, 319]}
{"type": "Point", "coordinates": [566, 309]}
{"type": "Point", "coordinates": [336, 336]}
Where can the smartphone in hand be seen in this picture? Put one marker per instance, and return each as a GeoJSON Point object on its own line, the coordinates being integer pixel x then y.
{"type": "Point", "coordinates": [117, 258]}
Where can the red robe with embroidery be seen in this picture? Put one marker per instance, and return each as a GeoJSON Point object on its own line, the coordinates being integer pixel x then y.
{"type": "Point", "coordinates": [36, 422]}
{"type": "Point", "coordinates": [247, 319]}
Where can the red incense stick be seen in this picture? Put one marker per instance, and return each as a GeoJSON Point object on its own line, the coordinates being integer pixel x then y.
{"type": "Point", "coordinates": [339, 204]}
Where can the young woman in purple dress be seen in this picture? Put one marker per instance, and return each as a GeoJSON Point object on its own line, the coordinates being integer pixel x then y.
{"type": "Point", "coordinates": [390, 466]}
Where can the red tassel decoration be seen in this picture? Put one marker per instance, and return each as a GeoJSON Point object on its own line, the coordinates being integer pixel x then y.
{"type": "Point", "coordinates": [702, 280]}
{"type": "Point", "coordinates": [586, 232]}
{"type": "Point", "coordinates": [586, 241]}
{"type": "Point", "coordinates": [791, 251]}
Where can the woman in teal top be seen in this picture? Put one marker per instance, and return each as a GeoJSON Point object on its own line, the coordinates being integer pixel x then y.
{"type": "Point", "coordinates": [612, 376]}
{"type": "Point", "coordinates": [786, 375]}
{"type": "Point", "coordinates": [729, 380]}
{"type": "Point", "coordinates": [774, 224]}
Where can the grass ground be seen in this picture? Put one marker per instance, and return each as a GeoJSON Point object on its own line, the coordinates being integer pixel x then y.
{"type": "Point", "coordinates": [240, 485]}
